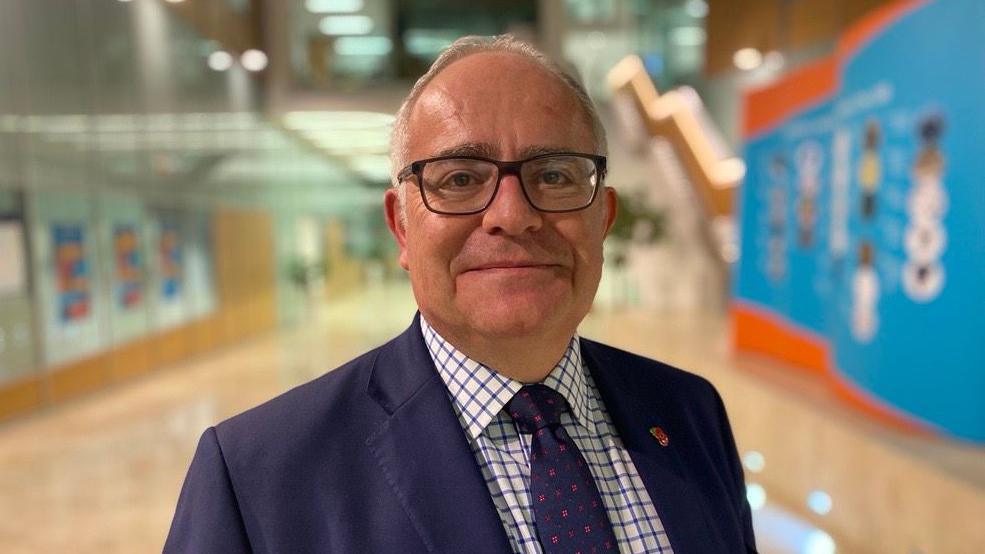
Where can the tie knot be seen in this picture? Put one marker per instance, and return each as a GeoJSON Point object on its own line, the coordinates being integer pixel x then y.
{"type": "Point", "coordinates": [536, 406]}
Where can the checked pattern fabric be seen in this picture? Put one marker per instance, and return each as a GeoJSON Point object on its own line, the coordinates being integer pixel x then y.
{"type": "Point", "coordinates": [568, 510]}
{"type": "Point", "coordinates": [479, 396]}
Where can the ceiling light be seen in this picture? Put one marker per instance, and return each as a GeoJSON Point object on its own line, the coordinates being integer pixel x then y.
{"type": "Point", "coordinates": [220, 60]}
{"type": "Point", "coordinates": [747, 59]}
{"type": "Point", "coordinates": [363, 46]}
{"type": "Point", "coordinates": [374, 167]}
{"type": "Point", "coordinates": [696, 8]}
{"type": "Point", "coordinates": [333, 25]}
{"type": "Point", "coordinates": [773, 60]}
{"type": "Point", "coordinates": [427, 42]}
{"type": "Point", "coordinates": [253, 60]}
{"type": "Point", "coordinates": [338, 120]}
{"type": "Point", "coordinates": [688, 36]}
{"type": "Point", "coordinates": [336, 140]}
{"type": "Point", "coordinates": [333, 6]}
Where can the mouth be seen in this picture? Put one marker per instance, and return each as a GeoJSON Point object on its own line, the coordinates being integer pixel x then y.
{"type": "Point", "coordinates": [511, 265]}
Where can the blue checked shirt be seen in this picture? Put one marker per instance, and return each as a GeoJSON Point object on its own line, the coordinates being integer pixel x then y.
{"type": "Point", "coordinates": [503, 453]}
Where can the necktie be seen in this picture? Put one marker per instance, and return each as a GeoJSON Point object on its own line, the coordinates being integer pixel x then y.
{"type": "Point", "coordinates": [568, 511]}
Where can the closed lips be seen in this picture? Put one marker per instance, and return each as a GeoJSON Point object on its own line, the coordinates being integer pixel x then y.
{"type": "Point", "coordinates": [510, 265]}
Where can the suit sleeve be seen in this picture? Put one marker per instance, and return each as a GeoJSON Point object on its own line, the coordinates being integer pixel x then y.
{"type": "Point", "coordinates": [207, 518]}
{"type": "Point", "coordinates": [738, 484]}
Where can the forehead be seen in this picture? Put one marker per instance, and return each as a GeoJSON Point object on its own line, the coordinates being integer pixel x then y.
{"type": "Point", "coordinates": [503, 100]}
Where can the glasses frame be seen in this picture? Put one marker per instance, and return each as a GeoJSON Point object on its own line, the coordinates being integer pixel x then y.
{"type": "Point", "coordinates": [503, 169]}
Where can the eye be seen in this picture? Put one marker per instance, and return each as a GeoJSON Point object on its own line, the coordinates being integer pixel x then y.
{"type": "Point", "coordinates": [552, 178]}
{"type": "Point", "coordinates": [461, 179]}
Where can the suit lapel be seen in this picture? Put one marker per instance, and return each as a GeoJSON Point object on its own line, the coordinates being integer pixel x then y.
{"type": "Point", "coordinates": [424, 455]}
{"type": "Point", "coordinates": [678, 502]}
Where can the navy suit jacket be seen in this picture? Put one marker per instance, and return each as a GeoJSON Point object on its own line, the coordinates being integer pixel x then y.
{"type": "Point", "coordinates": [371, 457]}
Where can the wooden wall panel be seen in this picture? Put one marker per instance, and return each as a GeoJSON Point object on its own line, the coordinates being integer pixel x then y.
{"type": "Point", "coordinates": [130, 359]}
{"type": "Point", "coordinates": [172, 345]}
{"type": "Point", "coordinates": [77, 378]}
{"type": "Point", "coordinates": [344, 273]}
{"type": "Point", "coordinates": [809, 22]}
{"type": "Point", "coordinates": [246, 272]}
{"type": "Point", "coordinates": [782, 25]}
{"type": "Point", "coordinates": [232, 323]}
{"type": "Point", "coordinates": [206, 333]}
{"type": "Point", "coordinates": [732, 25]}
{"type": "Point", "coordinates": [19, 397]}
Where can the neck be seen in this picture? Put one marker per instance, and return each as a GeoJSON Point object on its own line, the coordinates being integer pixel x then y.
{"type": "Point", "coordinates": [525, 358]}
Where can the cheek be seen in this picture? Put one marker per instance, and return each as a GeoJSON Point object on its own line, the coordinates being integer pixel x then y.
{"type": "Point", "coordinates": [585, 240]}
{"type": "Point", "coordinates": [590, 259]}
{"type": "Point", "coordinates": [431, 247]}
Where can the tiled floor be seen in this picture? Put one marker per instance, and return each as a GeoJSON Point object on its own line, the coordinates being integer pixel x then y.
{"type": "Point", "coordinates": [102, 473]}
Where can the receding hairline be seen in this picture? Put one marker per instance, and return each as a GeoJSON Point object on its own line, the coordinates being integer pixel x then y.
{"type": "Point", "coordinates": [562, 89]}
{"type": "Point", "coordinates": [467, 47]}
{"type": "Point", "coordinates": [411, 102]}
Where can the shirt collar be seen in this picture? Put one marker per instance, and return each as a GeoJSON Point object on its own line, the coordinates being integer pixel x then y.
{"type": "Point", "coordinates": [479, 392]}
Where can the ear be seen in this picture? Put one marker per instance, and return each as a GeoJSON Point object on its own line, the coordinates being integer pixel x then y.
{"type": "Point", "coordinates": [395, 221]}
{"type": "Point", "coordinates": [610, 205]}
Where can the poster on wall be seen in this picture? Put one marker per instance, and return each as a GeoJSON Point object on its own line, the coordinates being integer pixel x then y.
{"type": "Point", "coordinates": [862, 217]}
{"type": "Point", "coordinates": [128, 270]}
{"type": "Point", "coordinates": [12, 267]}
{"type": "Point", "coordinates": [171, 262]}
{"type": "Point", "coordinates": [72, 273]}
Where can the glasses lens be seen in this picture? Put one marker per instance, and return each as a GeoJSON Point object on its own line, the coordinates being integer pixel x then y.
{"type": "Point", "coordinates": [458, 185]}
{"type": "Point", "coordinates": [557, 183]}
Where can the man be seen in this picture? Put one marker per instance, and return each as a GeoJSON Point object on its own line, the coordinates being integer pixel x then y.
{"type": "Point", "coordinates": [487, 426]}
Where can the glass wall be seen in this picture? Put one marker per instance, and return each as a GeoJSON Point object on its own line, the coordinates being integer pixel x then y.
{"type": "Point", "coordinates": [110, 123]}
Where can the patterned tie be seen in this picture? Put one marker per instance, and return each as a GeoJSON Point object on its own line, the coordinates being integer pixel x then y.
{"type": "Point", "coordinates": [568, 510]}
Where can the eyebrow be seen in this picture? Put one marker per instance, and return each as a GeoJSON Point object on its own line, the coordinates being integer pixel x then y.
{"type": "Point", "coordinates": [483, 149]}
{"type": "Point", "coordinates": [538, 150]}
{"type": "Point", "coordinates": [487, 150]}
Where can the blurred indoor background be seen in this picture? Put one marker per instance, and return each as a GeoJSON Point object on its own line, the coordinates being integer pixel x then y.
{"type": "Point", "coordinates": [191, 222]}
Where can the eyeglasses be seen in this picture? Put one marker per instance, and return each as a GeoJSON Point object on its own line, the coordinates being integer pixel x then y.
{"type": "Point", "coordinates": [463, 185]}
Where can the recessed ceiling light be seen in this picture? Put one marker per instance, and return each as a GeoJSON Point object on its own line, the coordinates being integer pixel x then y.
{"type": "Point", "coordinates": [220, 60]}
{"type": "Point", "coordinates": [747, 59]}
{"type": "Point", "coordinates": [334, 25]}
{"type": "Point", "coordinates": [696, 8]}
{"type": "Point", "coordinates": [333, 6]}
{"type": "Point", "coordinates": [688, 36]}
{"type": "Point", "coordinates": [363, 46]}
{"type": "Point", "coordinates": [336, 120]}
{"type": "Point", "coordinates": [773, 60]}
{"type": "Point", "coordinates": [253, 60]}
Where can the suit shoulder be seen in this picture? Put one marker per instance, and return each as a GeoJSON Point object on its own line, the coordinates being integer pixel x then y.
{"type": "Point", "coordinates": [637, 367]}
{"type": "Point", "coordinates": [688, 401]}
{"type": "Point", "coordinates": [336, 396]}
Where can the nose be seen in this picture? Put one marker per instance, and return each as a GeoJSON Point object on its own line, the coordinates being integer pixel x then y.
{"type": "Point", "coordinates": [510, 212]}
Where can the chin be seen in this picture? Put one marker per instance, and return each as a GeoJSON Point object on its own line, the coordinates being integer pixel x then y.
{"type": "Point", "coordinates": [519, 317]}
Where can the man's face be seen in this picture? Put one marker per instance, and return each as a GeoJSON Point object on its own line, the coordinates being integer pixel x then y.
{"type": "Point", "coordinates": [511, 270]}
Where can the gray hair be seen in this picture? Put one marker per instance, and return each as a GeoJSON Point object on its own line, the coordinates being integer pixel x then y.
{"type": "Point", "coordinates": [466, 46]}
